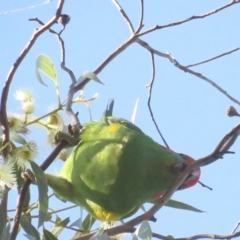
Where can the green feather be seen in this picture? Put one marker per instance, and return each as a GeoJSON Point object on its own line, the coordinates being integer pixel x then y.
{"type": "Point", "coordinates": [114, 169]}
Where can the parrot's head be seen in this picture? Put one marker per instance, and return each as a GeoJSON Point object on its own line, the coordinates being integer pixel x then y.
{"type": "Point", "coordinates": [193, 176]}
{"type": "Point", "coordinates": [190, 180]}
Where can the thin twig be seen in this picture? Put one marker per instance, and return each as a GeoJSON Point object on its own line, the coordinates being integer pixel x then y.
{"type": "Point", "coordinates": [6, 86]}
{"type": "Point", "coordinates": [183, 68]}
{"type": "Point", "coordinates": [149, 48]}
{"type": "Point", "coordinates": [114, 54]}
{"type": "Point", "coordinates": [234, 230]}
{"type": "Point", "coordinates": [211, 59]}
{"type": "Point", "coordinates": [70, 228]}
{"type": "Point", "coordinates": [3, 110]}
{"type": "Point", "coordinates": [178, 65]}
{"type": "Point", "coordinates": [124, 15]}
{"type": "Point", "coordinates": [157, 27]}
{"type": "Point", "coordinates": [63, 65]}
{"type": "Point", "coordinates": [63, 209]}
{"type": "Point", "coordinates": [150, 96]}
{"type": "Point", "coordinates": [68, 106]}
{"type": "Point", "coordinates": [204, 185]}
{"type": "Point", "coordinates": [140, 25]}
{"type": "Point", "coordinates": [199, 236]}
{"type": "Point", "coordinates": [25, 8]}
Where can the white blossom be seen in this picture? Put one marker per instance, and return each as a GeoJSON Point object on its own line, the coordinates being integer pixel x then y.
{"type": "Point", "coordinates": [7, 176]}
{"type": "Point", "coordinates": [24, 154]}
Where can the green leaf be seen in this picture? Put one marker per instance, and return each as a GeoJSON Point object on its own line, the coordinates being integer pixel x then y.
{"type": "Point", "coordinates": [144, 230]}
{"type": "Point", "coordinates": [109, 110]}
{"type": "Point", "coordinates": [42, 190]}
{"type": "Point", "coordinates": [59, 226]}
{"type": "Point", "coordinates": [88, 222]}
{"type": "Point", "coordinates": [16, 137]}
{"type": "Point", "coordinates": [91, 75]}
{"type": "Point", "coordinates": [143, 208]}
{"type": "Point", "coordinates": [48, 235]}
{"type": "Point", "coordinates": [135, 110]}
{"type": "Point", "coordinates": [97, 236]}
{"type": "Point", "coordinates": [86, 226]}
{"type": "Point", "coordinates": [5, 234]}
{"type": "Point", "coordinates": [45, 64]}
{"type": "Point", "coordinates": [29, 237]}
{"type": "Point", "coordinates": [77, 223]}
{"type": "Point", "coordinates": [29, 228]}
{"type": "Point", "coordinates": [135, 237]}
{"type": "Point", "coordinates": [181, 205]}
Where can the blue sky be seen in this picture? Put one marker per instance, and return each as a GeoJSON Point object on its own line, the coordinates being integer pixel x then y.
{"type": "Point", "coordinates": [189, 111]}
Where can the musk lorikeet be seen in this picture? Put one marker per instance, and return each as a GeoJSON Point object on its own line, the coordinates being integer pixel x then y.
{"type": "Point", "coordinates": [116, 168]}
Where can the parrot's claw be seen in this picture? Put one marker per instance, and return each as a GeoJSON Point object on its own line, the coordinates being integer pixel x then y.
{"type": "Point", "coordinates": [72, 141]}
{"type": "Point", "coordinates": [178, 167]}
{"type": "Point", "coordinates": [28, 174]}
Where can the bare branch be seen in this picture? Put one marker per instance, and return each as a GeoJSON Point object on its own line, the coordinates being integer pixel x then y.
{"type": "Point", "coordinates": [5, 90]}
{"type": "Point", "coordinates": [124, 15]}
{"type": "Point", "coordinates": [149, 48]}
{"type": "Point", "coordinates": [204, 185]}
{"type": "Point", "coordinates": [210, 236]}
{"type": "Point", "coordinates": [157, 27]}
{"type": "Point", "coordinates": [63, 66]}
{"type": "Point", "coordinates": [119, 50]}
{"type": "Point", "coordinates": [140, 25]}
{"type": "Point", "coordinates": [150, 96]}
{"type": "Point", "coordinates": [178, 65]}
{"type": "Point", "coordinates": [224, 92]}
{"type": "Point", "coordinates": [4, 96]}
{"type": "Point", "coordinates": [25, 8]}
{"type": "Point", "coordinates": [234, 230]}
{"type": "Point", "coordinates": [71, 92]}
{"type": "Point", "coordinates": [211, 59]}
{"type": "Point", "coordinates": [199, 236]}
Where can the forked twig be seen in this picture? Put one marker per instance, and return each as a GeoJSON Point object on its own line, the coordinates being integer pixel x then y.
{"type": "Point", "coordinates": [150, 96]}
{"type": "Point", "coordinates": [234, 230]}
{"type": "Point", "coordinates": [140, 25]}
{"type": "Point", "coordinates": [213, 58]}
{"type": "Point", "coordinates": [158, 27]}
{"type": "Point", "coordinates": [25, 8]}
{"type": "Point", "coordinates": [185, 69]}
{"type": "Point", "coordinates": [71, 91]}
{"type": "Point", "coordinates": [125, 16]}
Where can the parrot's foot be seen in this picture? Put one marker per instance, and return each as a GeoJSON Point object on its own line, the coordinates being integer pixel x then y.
{"type": "Point", "coordinates": [72, 141]}
{"type": "Point", "coordinates": [178, 167]}
{"type": "Point", "coordinates": [28, 174]}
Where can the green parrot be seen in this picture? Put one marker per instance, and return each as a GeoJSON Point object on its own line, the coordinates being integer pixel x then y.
{"type": "Point", "coordinates": [116, 168]}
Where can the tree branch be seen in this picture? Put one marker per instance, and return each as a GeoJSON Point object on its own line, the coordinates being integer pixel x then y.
{"type": "Point", "coordinates": [124, 15]}
{"type": "Point", "coordinates": [185, 69]}
{"type": "Point", "coordinates": [68, 106]}
{"type": "Point", "coordinates": [140, 25]}
{"type": "Point", "coordinates": [199, 236]}
{"type": "Point", "coordinates": [5, 90]}
{"type": "Point", "coordinates": [150, 96]}
{"type": "Point", "coordinates": [211, 59]}
{"type": "Point", "coordinates": [158, 27]}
